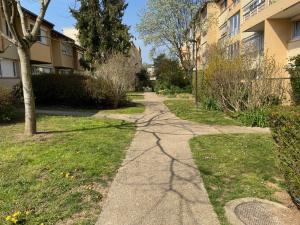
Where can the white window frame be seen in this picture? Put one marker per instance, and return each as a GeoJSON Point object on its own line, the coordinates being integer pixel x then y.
{"type": "Point", "coordinates": [235, 24]}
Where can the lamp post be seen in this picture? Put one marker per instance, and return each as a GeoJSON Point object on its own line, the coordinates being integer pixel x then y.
{"type": "Point", "coordinates": [195, 52]}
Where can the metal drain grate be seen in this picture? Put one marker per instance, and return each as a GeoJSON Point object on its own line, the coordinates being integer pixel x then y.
{"type": "Point", "coordinates": [256, 213]}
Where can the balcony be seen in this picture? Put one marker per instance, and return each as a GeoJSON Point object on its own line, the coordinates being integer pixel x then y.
{"type": "Point", "coordinates": [253, 8]}
{"type": "Point", "coordinates": [256, 12]}
{"type": "Point", "coordinates": [223, 29]}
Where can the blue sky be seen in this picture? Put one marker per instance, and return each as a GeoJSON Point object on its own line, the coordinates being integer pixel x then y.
{"type": "Point", "coordinates": [58, 13]}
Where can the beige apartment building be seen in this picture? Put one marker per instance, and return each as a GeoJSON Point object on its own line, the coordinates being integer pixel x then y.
{"type": "Point", "coordinates": [53, 52]}
{"type": "Point", "coordinates": [269, 26]}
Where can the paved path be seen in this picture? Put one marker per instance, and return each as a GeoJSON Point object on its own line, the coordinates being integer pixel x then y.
{"type": "Point", "coordinates": [159, 183]}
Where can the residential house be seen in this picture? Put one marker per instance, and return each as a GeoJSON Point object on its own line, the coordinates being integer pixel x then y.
{"type": "Point", "coordinates": [53, 52]}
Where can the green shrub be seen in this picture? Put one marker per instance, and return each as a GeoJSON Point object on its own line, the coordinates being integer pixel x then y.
{"type": "Point", "coordinates": [68, 90]}
{"type": "Point", "coordinates": [294, 70]}
{"type": "Point", "coordinates": [7, 109]}
{"type": "Point", "coordinates": [143, 80]}
{"type": "Point", "coordinates": [170, 76]}
{"type": "Point", "coordinates": [285, 124]}
{"type": "Point", "coordinates": [210, 104]}
{"type": "Point", "coordinates": [254, 118]}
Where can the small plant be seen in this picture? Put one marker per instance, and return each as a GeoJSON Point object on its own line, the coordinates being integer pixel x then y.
{"type": "Point", "coordinates": [16, 218]}
{"type": "Point", "coordinates": [255, 117]}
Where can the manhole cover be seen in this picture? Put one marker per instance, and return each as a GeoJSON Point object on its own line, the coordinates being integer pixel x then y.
{"type": "Point", "coordinates": [256, 213]}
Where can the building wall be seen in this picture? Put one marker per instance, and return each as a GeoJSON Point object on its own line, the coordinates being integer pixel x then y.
{"type": "Point", "coordinates": [277, 35]}
{"type": "Point", "coordinates": [293, 48]}
{"type": "Point", "coordinates": [41, 52]}
{"type": "Point", "coordinates": [9, 82]}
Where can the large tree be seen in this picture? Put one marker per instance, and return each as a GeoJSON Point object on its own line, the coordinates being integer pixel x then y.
{"type": "Point", "coordinates": [101, 31]}
{"type": "Point", "coordinates": [23, 39]}
{"type": "Point", "coordinates": [168, 23]}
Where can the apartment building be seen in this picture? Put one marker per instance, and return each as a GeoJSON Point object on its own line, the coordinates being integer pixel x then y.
{"type": "Point", "coordinates": [262, 26]}
{"type": "Point", "coordinates": [53, 52]}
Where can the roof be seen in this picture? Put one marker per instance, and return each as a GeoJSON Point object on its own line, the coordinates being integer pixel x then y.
{"type": "Point", "coordinates": [28, 12]}
{"type": "Point", "coordinates": [61, 35]}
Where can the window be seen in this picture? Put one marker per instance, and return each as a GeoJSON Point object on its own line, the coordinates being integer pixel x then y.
{"type": "Point", "coordinates": [15, 68]}
{"type": "Point", "coordinates": [42, 35]}
{"type": "Point", "coordinates": [234, 50]}
{"type": "Point", "coordinates": [67, 48]}
{"type": "Point", "coordinates": [234, 27]}
{"type": "Point", "coordinates": [8, 68]}
{"type": "Point", "coordinates": [7, 32]}
{"type": "Point", "coordinates": [296, 29]}
{"type": "Point", "coordinates": [37, 70]}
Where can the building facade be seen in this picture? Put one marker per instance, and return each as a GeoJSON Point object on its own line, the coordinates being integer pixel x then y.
{"type": "Point", "coordinates": [53, 52]}
{"type": "Point", "coordinates": [269, 26]}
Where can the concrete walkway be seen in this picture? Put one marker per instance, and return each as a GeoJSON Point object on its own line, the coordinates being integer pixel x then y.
{"type": "Point", "coordinates": [158, 183]}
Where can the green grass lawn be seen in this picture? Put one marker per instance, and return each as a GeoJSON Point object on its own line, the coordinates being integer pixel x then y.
{"type": "Point", "coordinates": [130, 109]}
{"type": "Point", "coordinates": [186, 109]}
{"type": "Point", "coordinates": [135, 95]}
{"type": "Point", "coordinates": [63, 172]}
{"type": "Point", "coordinates": [237, 166]}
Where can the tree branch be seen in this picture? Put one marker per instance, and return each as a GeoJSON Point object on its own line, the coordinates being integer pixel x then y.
{"type": "Point", "coordinates": [22, 18]}
{"type": "Point", "coordinates": [39, 19]}
{"type": "Point", "coordinates": [8, 38]}
{"type": "Point", "coordinates": [9, 22]}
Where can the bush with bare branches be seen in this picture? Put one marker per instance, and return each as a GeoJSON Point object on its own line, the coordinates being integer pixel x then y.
{"type": "Point", "coordinates": [114, 78]}
{"type": "Point", "coordinates": [242, 82]}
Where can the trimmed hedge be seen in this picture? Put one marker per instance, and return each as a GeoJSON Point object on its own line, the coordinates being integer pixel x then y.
{"type": "Point", "coordinates": [7, 109]}
{"type": "Point", "coordinates": [285, 124]}
{"type": "Point", "coordinates": [66, 90]}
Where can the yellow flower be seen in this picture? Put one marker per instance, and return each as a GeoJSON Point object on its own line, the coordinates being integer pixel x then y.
{"type": "Point", "coordinates": [8, 218]}
{"type": "Point", "coordinates": [67, 175]}
{"type": "Point", "coordinates": [16, 214]}
{"type": "Point", "coordinates": [14, 220]}
{"type": "Point", "coordinates": [42, 224]}
{"type": "Point", "coordinates": [27, 213]}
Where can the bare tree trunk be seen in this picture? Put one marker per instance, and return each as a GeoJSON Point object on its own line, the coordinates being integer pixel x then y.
{"type": "Point", "coordinates": [29, 102]}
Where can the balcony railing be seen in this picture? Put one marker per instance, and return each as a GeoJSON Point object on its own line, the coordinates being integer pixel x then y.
{"type": "Point", "coordinates": [256, 6]}
{"type": "Point", "coordinates": [223, 29]}
{"type": "Point", "coordinates": [253, 7]}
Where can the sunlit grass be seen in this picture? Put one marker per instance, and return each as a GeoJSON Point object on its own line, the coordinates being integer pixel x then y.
{"type": "Point", "coordinates": [61, 172]}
